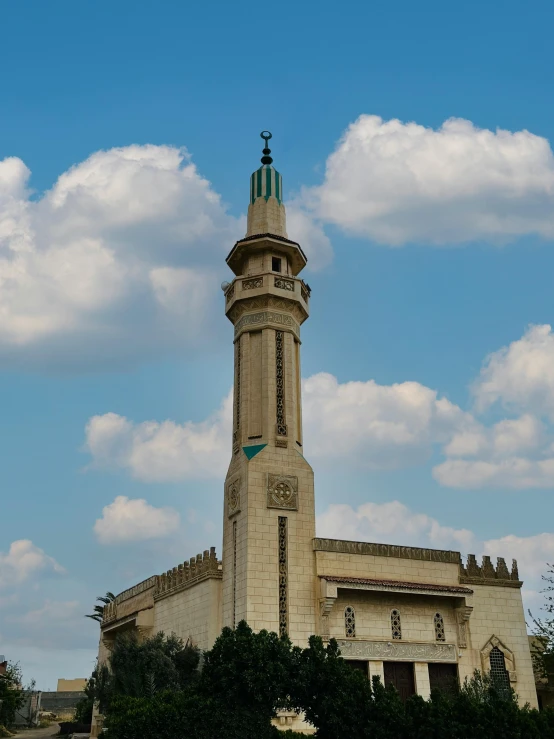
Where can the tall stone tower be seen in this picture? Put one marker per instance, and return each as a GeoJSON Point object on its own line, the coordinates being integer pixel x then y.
{"type": "Point", "coordinates": [269, 516]}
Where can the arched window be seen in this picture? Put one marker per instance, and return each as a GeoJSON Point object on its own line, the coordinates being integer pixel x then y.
{"type": "Point", "coordinates": [349, 622]}
{"type": "Point", "coordinates": [499, 673]}
{"type": "Point", "coordinates": [396, 625]}
{"type": "Point", "coordinates": [439, 627]}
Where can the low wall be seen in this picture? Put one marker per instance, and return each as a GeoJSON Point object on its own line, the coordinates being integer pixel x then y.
{"type": "Point", "coordinates": [61, 701]}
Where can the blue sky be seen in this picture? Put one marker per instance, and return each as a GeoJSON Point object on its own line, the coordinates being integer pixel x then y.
{"type": "Point", "coordinates": [127, 137]}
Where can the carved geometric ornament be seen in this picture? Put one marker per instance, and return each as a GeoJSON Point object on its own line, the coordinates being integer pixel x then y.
{"type": "Point", "coordinates": [233, 497]}
{"type": "Point", "coordinates": [282, 492]}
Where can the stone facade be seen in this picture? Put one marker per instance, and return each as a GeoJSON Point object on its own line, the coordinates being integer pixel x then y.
{"type": "Point", "coordinates": [384, 603]}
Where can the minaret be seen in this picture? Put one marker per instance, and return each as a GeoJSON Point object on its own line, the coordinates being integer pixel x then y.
{"type": "Point", "coordinates": [269, 516]}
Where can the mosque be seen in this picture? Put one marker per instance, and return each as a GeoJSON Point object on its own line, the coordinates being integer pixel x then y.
{"type": "Point", "coordinates": [418, 618]}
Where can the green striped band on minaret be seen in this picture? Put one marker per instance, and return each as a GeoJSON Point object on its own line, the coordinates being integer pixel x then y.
{"type": "Point", "coordinates": [266, 182]}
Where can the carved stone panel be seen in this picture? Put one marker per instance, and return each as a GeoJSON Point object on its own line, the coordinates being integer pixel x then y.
{"type": "Point", "coordinates": [282, 491]}
{"type": "Point", "coordinates": [381, 650]}
{"type": "Point", "coordinates": [233, 496]}
{"type": "Point", "coordinates": [252, 283]}
{"type": "Point", "coordinates": [283, 284]}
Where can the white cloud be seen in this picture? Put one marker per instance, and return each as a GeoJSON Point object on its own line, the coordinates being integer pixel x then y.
{"type": "Point", "coordinates": [120, 248]}
{"type": "Point", "coordinates": [127, 520]}
{"type": "Point", "coordinates": [122, 256]}
{"type": "Point", "coordinates": [397, 182]}
{"type": "Point", "coordinates": [513, 473]}
{"type": "Point", "coordinates": [509, 454]}
{"type": "Point", "coordinates": [515, 453]}
{"type": "Point", "coordinates": [379, 426]}
{"type": "Point", "coordinates": [520, 375]}
{"type": "Point", "coordinates": [373, 426]}
{"type": "Point", "coordinates": [390, 523]}
{"type": "Point", "coordinates": [162, 451]}
{"type": "Point", "coordinates": [23, 560]}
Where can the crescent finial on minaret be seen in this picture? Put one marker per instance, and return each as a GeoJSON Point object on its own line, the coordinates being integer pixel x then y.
{"type": "Point", "coordinates": [266, 159]}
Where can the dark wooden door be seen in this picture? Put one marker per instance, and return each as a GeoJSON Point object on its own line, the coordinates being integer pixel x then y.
{"type": "Point", "coordinates": [443, 677]}
{"type": "Point", "coordinates": [401, 675]}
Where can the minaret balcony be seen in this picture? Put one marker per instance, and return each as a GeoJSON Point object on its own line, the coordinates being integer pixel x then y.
{"type": "Point", "coordinates": [246, 248]}
{"type": "Point", "coordinates": [268, 285]}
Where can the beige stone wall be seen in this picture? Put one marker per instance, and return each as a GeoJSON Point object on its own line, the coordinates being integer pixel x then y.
{"type": "Point", "coordinates": [194, 612]}
{"type": "Point", "coordinates": [71, 685]}
{"type": "Point", "coordinates": [257, 555]}
{"type": "Point", "coordinates": [373, 615]}
{"type": "Point", "coordinates": [499, 611]}
{"type": "Point", "coordinates": [386, 568]}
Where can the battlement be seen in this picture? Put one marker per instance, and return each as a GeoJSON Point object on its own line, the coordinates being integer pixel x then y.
{"type": "Point", "coordinates": [488, 574]}
{"type": "Point", "coordinates": [187, 574]}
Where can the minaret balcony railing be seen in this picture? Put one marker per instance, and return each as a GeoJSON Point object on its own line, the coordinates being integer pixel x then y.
{"type": "Point", "coordinates": [279, 285]}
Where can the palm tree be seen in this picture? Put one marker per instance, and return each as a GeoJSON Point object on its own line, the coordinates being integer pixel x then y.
{"type": "Point", "coordinates": [98, 614]}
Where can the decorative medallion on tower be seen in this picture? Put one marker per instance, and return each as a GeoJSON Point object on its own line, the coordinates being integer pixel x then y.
{"type": "Point", "coordinates": [282, 492]}
{"type": "Point", "coordinates": [233, 496]}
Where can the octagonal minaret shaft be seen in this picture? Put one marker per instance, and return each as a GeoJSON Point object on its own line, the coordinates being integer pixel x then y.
{"type": "Point", "coordinates": [269, 520]}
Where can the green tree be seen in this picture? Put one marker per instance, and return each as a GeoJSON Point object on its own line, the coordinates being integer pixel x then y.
{"type": "Point", "coordinates": [11, 694]}
{"type": "Point", "coordinates": [542, 651]}
{"type": "Point", "coordinates": [245, 679]}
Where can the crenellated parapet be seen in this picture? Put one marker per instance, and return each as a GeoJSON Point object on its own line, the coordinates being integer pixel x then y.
{"type": "Point", "coordinates": [143, 595]}
{"type": "Point", "coordinates": [185, 575]}
{"type": "Point", "coordinates": [487, 574]}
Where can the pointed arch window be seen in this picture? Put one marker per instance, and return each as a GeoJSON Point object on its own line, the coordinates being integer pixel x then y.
{"type": "Point", "coordinates": [499, 673]}
{"type": "Point", "coordinates": [349, 622]}
{"type": "Point", "coordinates": [439, 627]}
{"type": "Point", "coordinates": [396, 624]}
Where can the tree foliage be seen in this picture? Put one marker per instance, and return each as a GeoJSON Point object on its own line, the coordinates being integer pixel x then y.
{"type": "Point", "coordinates": [98, 611]}
{"type": "Point", "coordinates": [542, 650]}
{"type": "Point", "coordinates": [247, 677]}
{"type": "Point", "coordinates": [11, 694]}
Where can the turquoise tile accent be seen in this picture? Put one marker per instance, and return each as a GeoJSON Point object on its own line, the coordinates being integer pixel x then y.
{"type": "Point", "coordinates": [251, 451]}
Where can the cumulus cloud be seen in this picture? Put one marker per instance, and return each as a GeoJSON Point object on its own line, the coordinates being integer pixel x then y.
{"type": "Point", "coordinates": [108, 261]}
{"type": "Point", "coordinates": [162, 451]}
{"type": "Point", "coordinates": [375, 426]}
{"type": "Point", "coordinates": [121, 256]}
{"type": "Point", "coordinates": [378, 425]}
{"type": "Point", "coordinates": [127, 520]}
{"type": "Point", "coordinates": [22, 561]}
{"type": "Point", "coordinates": [515, 453]}
{"type": "Point", "coordinates": [396, 182]}
{"type": "Point", "coordinates": [390, 523]}
{"type": "Point", "coordinates": [520, 375]}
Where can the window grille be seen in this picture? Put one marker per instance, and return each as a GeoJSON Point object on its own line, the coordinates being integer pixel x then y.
{"type": "Point", "coordinates": [499, 673]}
{"type": "Point", "coordinates": [283, 577]}
{"type": "Point", "coordinates": [349, 622]}
{"type": "Point", "coordinates": [280, 382]}
{"type": "Point", "coordinates": [439, 627]}
{"type": "Point", "coordinates": [396, 625]}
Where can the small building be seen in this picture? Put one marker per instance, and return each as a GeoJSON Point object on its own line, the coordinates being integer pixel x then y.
{"type": "Point", "coordinates": [74, 685]}
{"type": "Point", "coordinates": [417, 618]}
